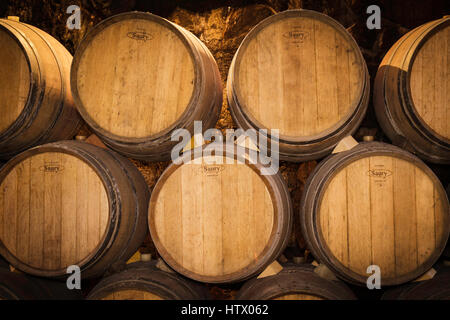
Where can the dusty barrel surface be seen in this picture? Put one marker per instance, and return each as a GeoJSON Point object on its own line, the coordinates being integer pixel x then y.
{"type": "Point", "coordinates": [137, 77]}
{"type": "Point", "coordinates": [375, 204]}
{"type": "Point", "coordinates": [36, 104]}
{"type": "Point", "coordinates": [411, 92]}
{"type": "Point", "coordinates": [216, 219]}
{"type": "Point", "coordinates": [295, 282]}
{"type": "Point", "coordinates": [15, 286]}
{"type": "Point", "coordinates": [70, 203]}
{"type": "Point", "coordinates": [144, 281]}
{"type": "Point", "coordinates": [301, 72]}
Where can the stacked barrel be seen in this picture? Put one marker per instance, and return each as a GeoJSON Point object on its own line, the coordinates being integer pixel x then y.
{"type": "Point", "coordinates": [219, 214]}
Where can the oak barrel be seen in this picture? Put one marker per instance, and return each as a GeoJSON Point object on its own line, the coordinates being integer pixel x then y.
{"type": "Point", "coordinates": [36, 104]}
{"type": "Point", "coordinates": [216, 219]}
{"type": "Point", "coordinates": [295, 282]}
{"type": "Point", "coordinates": [411, 92]}
{"type": "Point", "coordinates": [15, 286]}
{"type": "Point", "coordinates": [302, 73]}
{"type": "Point", "coordinates": [71, 203]}
{"type": "Point", "coordinates": [375, 204]}
{"type": "Point", "coordinates": [437, 288]}
{"type": "Point", "coordinates": [144, 281]}
{"type": "Point", "coordinates": [137, 77]}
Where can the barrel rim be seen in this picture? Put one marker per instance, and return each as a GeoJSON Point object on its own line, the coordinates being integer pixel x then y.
{"type": "Point", "coordinates": [295, 279]}
{"type": "Point", "coordinates": [198, 78]}
{"type": "Point", "coordinates": [282, 221]}
{"type": "Point", "coordinates": [110, 229]}
{"type": "Point", "coordinates": [233, 78]}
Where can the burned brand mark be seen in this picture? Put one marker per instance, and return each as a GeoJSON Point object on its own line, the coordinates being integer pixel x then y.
{"type": "Point", "coordinates": [139, 35]}
{"type": "Point", "coordinates": [51, 167]}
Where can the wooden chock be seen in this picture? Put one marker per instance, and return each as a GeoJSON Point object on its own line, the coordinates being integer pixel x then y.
{"type": "Point", "coordinates": [426, 276]}
{"type": "Point", "coordinates": [345, 144]}
{"type": "Point", "coordinates": [95, 140]}
{"type": "Point", "coordinates": [324, 272]}
{"type": "Point", "coordinates": [272, 269]}
{"type": "Point", "coordinates": [135, 258]}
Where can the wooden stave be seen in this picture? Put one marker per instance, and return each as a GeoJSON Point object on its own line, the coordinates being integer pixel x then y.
{"type": "Point", "coordinates": [205, 104]}
{"type": "Point", "coordinates": [399, 122]}
{"type": "Point", "coordinates": [314, 187]}
{"type": "Point", "coordinates": [147, 277]}
{"type": "Point", "coordinates": [293, 279]}
{"type": "Point", "coordinates": [43, 119]}
{"type": "Point", "coordinates": [296, 150]}
{"type": "Point", "coordinates": [14, 286]}
{"type": "Point", "coordinates": [282, 235]}
{"type": "Point", "coordinates": [127, 224]}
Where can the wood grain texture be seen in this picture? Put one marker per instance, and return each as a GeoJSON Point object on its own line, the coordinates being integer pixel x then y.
{"type": "Point", "coordinates": [147, 78]}
{"type": "Point", "coordinates": [376, 205]}
{"type": "Point", "coordinates": [411, 92]}
{"type": "Point", "coordinates": [157, 77]}
{"type": "Point", "coordinates": [294, 282]}
{"type": "Point", "coordinates": [70, 203]}
{"type": "Point", "coordinates": [14, 82]}
{"type": "Point", "coordinates": [132, 295]}
{"type": "Point", "coordinates": [298, 296]}
{"type": "Point", "coordinates": [55, 211]}
{"type": "Point", "coordinates": [214, 224]}
{"type": "Point", "coordinates": [216, 219]}
{"type": "Point", "coordinates": [299, 75]}
{"type": "Point", "coordinates": [299, 72]}
{"type": "Point", "coordinates": [429, 83]}
{"type": "Point", "coordinates": [145, 281]}
{"type": "Point", "coordinates": [35, 99]}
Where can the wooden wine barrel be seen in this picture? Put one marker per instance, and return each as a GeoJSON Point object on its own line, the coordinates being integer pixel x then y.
{"type": "Point", "coordinates": [375, 204]}
{"type": "Point", "coordinates": [437, 288]}
{"type": "Point", "coordinates": [411, 96]}
{"type": "Point", "coordinates": [302, 73]}
{"type": "Point", "coordinates": [14, 286]}
{"type": "Point", "coordinates": [295, 282]}
{"type": "Point", "coordinates": [36, 104]}
{"type": "Point", "coordinates": [144, 281]}
{"type": "Point", "coordinates": [216, 219]}
{"type": "Point", "coordinates": [154, 76]}
{"type": "Point", "coordinates": [70, 203]}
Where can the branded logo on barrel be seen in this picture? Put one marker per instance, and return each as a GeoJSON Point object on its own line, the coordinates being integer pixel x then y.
{"type": "Point", "coordinates": [297, 35]}
{"type": "Point", "coordinates": [211, 170]}
{"type": "Point", "coordinates": [52, 167]}
{"type": "Point", "coordinates": [139, 35]}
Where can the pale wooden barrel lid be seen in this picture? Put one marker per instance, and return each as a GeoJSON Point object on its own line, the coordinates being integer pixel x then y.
{"type": "Point", "coordinates": [134, 76]}
{"type": "Point", "coordinates": [54, 210]}
{"type": "Point", "coordinates": [382, 210]}
{"type": "Point", "coordinates": [300, 72]}
{"type": "Point", "coordinates": [211, 221]}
